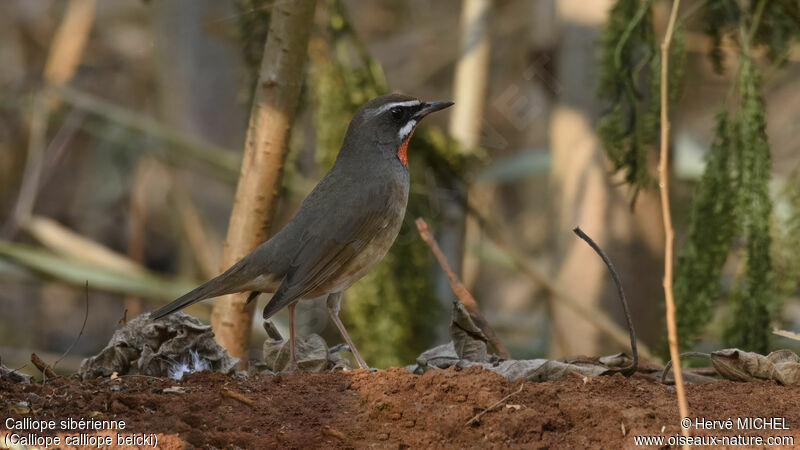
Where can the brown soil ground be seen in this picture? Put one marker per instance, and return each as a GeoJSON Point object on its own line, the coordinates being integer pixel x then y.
{"type": "Point", "coordinates": [396, 409]}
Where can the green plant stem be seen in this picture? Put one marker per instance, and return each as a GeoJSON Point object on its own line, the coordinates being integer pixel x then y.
{"type": "Point", "coordinates": [756, 20]}
{"type": "Point", "coordinates": [627, 33]}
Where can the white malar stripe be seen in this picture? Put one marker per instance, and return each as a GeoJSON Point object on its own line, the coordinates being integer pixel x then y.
{"type": "Point", "coordinates": [388, 106]}
{"type": "Point", "coordinates": [406, 129]}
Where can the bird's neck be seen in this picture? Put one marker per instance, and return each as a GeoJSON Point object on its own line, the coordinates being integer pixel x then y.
{"type": "Point", "coordinates": [402, 151]}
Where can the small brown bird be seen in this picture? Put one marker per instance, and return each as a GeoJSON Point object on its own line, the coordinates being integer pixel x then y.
{"type": "Point", "coordinates": [343, 228]}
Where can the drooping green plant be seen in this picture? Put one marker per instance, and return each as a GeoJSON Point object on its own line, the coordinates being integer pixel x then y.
{"type": "Point", "coordinates": [630, 84]}
{"type": "Point", "coordinates": [712, 224]}
{"type": "Point", "coordinates": [786, 255]}
{"type": "Point", "coordinates": [777, 25]}
{"type": "Point", "coordinates": [732, 198]}
{"type": "Point", "coordinates": [753, 297]}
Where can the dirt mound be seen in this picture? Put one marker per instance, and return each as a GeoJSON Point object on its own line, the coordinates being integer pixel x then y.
{"type": "Point", "coordinates": [394, 408]}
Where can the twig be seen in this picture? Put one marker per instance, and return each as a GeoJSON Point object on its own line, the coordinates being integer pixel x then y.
{"type": "Point", "coordinates": [592, 315]}
{"type": "Point", "coordinates": [669, 232]}
{"type": "Point", "coordinates": [138, 375]}
{"type": "Point", "coordinates": [42, 366]}
{"type": "Point", "coordinates": [787, 334]}
{"type": "Point", "coordinates": [682, 355]}
{"type": "Point", "coordinates": [627, 371]}
{"type": "Point", "coordinates": [237, 396]}
{"type": "Point", "coordinates": [83, 327]}
{"type": "Point", "coordinates": [756, 20]}
{"type": "Point", "coordinates": [461, 291]}
{"type": "Point", "coordinates": [124, 319]}
{"type": "Point", "coordinates": [60, 143]}
{"type": "Point", "coordinates": [33, 169]}
{"type": "Point", "coordinates": [494, 405]}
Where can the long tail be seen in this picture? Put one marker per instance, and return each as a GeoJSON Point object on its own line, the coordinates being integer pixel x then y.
{"type": "Point", "coordinates": [223, 284]}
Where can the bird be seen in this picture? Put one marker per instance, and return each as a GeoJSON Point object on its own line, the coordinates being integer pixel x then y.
{"type": "Point", "coordinates": [342, 229]}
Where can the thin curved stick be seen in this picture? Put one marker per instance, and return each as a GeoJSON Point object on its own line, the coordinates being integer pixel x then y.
{"type": "Point", "coordinates": [630, 370]}
{"type": "Point", "coordinates": [83, 327]}
{"type": "Point", "coordinates": [682, 355]}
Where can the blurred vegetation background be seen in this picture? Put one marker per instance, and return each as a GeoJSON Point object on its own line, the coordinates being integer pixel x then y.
{"type": "Point", "coordinates": [123, 125]}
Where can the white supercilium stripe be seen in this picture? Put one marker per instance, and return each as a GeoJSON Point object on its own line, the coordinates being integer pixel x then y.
{"type": "Point", "coordinates": [388, 106]}
{"type": "Point", "coordinates": [406, 129]}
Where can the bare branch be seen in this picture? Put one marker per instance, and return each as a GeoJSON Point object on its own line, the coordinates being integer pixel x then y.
{"type": "Point", "coordinates": [461, 291]}
{"type": "Point", "coordinates": [669, 232]}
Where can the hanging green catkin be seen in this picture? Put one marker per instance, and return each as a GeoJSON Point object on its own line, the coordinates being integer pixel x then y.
{"type": "Point", "coordinates": [712, 224]}
{"type": "Point", "coordinates": [753, 297]}
{"type": "Point", "coordinates": [786, 250]}
{"type": "Point", "coordinates": [627, 49]}
{"type": "Point", "coordinates": [629, 82]}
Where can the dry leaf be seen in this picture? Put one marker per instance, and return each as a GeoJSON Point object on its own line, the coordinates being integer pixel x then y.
{"type": "Point", "coordinates": [12, 376]}
{"type": "Point", "coordinates": [469, 342]}
{"type": "Point", "coordinates": [782, 366]}
{"type": "Point", "coordinates": [312, 352]}
{"type": "Point", "coordinates": [174, 344]}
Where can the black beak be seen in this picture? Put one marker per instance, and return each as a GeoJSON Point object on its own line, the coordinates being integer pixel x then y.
{"type": "Point", "coordinates": [430, 107]}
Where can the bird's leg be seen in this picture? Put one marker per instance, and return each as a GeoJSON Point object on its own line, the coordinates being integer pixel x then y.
{"type": "Point", "coordinates": [334, 303]}
{"type": "Point", "coordinates": [292, 368]}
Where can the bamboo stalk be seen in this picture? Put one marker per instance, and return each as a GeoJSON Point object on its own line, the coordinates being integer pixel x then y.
{"type": "Point", "coordinates": [69, 41]}
{"type": "Point", "coordinates": [469, 85]}
{"type": "Point", "coordinates": [62, 62]}
{"type": "Point", "coordinates": [471, 74]}
{"type": "Point", "coordinates": [100, 276]}
{"type": "Point", "coordinates": [669, 232]}
{"type": "Point", "coordinates": [274, 106]}
{"type": "Point", "coordinates": [67, 242]}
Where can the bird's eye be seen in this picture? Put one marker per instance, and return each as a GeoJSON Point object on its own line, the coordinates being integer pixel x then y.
{"type": "Point", "coordinates": [397, 113]}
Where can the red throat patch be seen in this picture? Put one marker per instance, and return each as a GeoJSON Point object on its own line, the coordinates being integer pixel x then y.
{"type": "Point", "coordinates": [402, 151]}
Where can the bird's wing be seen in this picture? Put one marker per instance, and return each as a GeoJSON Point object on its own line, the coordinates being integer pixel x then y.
{"type": "Point", "coordinates": [325, 250]}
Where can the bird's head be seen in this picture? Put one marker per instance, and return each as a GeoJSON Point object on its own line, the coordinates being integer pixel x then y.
{"type": "Point", "coordinates": [386, 123]}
